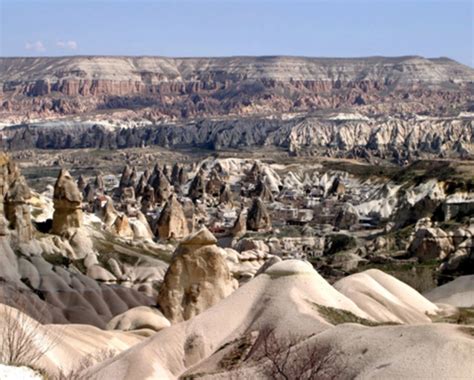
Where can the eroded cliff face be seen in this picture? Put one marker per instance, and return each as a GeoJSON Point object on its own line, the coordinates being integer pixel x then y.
{"type": "Point", "coordinates": [169, 88]}
{"type": "Point", "coordinates": [396, 139]}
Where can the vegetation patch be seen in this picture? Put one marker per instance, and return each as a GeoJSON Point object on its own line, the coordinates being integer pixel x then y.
{"type": "Point", "coordinates": [338, 242]}
{"type": "Point", "coordinates": [237, 352]}
{"type": "Point", "coordinates": [57, 259]}
{"type": "Point", "coordinates": [463, 316]}
{"type": "Point", "coordinates": [468, 330]}
{"type": "Point", "coordinates": [339, 316]}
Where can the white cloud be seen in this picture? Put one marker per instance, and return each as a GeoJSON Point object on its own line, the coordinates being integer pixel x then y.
{"type": "Point", "coordinates": [35, 46]}
{"type": "Point", "coordinates": [68, 45]}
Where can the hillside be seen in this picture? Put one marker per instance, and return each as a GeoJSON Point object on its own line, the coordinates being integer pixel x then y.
{"type": "Point", "coordinates": [182, 88]}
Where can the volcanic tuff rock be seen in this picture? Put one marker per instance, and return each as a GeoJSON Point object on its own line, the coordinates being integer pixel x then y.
{"type": "Point", "coordinates": [398, 138]}
{"type": "Point", "coordinates": [197, 278]}
{"type": "Point", "coordinates": [14, 194]}
{"type": "Point", "coordinates": [239, 228]}
{"type": "Point", "coordinates": [17, 210]}
{"type": "Point", "coordinates": [67, 204]}
{"type": "Point", "coordinates": [431, 244]}
{"type": "Point", "coordinates": [140, 317]}
{"type": "Point", "coordinates": [347, 217]}
{"type": "Point", "coordinates": [172, 221]}
{"type": "Point", "coordinates": [187, 87]}
{"type": "Point", "coordinates": [258, 218]}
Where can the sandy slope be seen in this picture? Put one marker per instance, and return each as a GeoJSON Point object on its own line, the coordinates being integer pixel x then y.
{"type": "Point", "coordinates": [385, 298]}
{"type": "Point", "coordinates": [283, 298]}
{"type": "Point", "coordinates": [65, 345]}
{"type": "Point", "coordinates": [459, 293]}
{"type": "Point", "coordinates": [286, 298]}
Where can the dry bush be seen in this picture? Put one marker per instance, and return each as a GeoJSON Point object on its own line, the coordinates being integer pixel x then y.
{"type": "Point", "coordinates": [23, 340]}
{"type": "Point", "coordinates": [79, 371]}
{"type": "Point", "coordinates": [289, 359]}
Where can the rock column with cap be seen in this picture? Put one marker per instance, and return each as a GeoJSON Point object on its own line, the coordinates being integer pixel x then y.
{"type": "Point", "coordinates": [67, 204]}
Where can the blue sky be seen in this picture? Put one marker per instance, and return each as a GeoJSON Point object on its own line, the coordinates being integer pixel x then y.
{"type": "Point", "coordinates": [334, 28]}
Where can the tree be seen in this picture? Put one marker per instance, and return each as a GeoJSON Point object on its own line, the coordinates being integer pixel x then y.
{"type": "Point", "coordinates": [291, 358]}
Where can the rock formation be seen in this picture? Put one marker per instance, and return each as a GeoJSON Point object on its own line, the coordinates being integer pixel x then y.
{"type": "Point", "coordinates": [214, 86]}
{"type": "Point", "coordinates": [141, 317]}
{"type": "Point", "coordinates": [197, 189]}
{"type": "Point", "coordinates": [121, 227]}
{"type": "Point", "coordinates": [81, 183]}
{"type": "Point", "coordinates": [262, 191]}
{"type": "Point", "coordinates": [161, 186]}
{"type": "Point", "coordinates": [258, 218]}
{"type": "Point", "coordinates": [148, 199]}
{"type": "Point", "coordinates": [108, 213]}
{"type": "Point", "coordinates": [176, 179]}
{"type": "Point", "coordinates": [99, 183]}
{"type": "Point", "coordinates": [431, 244]}
{"type": "Point", "coordinates": [399, 139]}
{"type": "Point", "coordinates": [347, 217]}
{"type": "Point", "coordinates": [17, 210]}
{"type": "Point", "coordinates": [172, 223]}
{"type": "Point", "coordinates": [67, 204]}
{"type": "Point", "coordinates": [337, 187]}
{"type": "Point", "coordinates": [225, 196]}
{"type": "Point", "coordinates": [197, 278]}
{"type": "Point", "coordinates": [239, 228]}
{"type": "Point", "coordinates": [14, 197]}
{"type": "Point", "coordinates": [214, 184]}
{"type": "Point", "coordinates": [126, 178]}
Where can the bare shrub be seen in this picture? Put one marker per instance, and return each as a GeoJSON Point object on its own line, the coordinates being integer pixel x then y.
{"type": "Point", "coordinates": [23, 340]}
{"type": "Point", "coordinates": [292, 359]}
{"type": "Point", "coordinates": [79, 371]}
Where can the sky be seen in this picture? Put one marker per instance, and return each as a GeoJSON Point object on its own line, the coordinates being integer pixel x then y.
{"type": "Point", "coordinates": [336, 28]}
